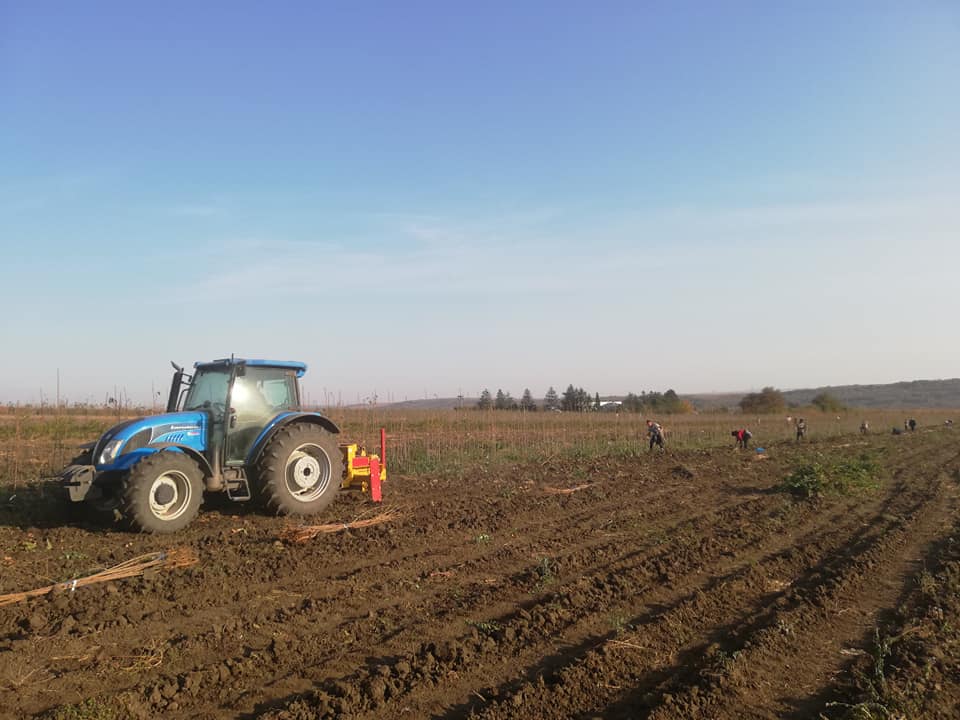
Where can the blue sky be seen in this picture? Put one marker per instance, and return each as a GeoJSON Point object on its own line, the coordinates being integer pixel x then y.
{"type": "Point", "coordinates": [434, 197]}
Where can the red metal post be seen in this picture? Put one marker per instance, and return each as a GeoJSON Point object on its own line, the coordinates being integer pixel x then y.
{"type": "Point", "coordinates": [383, 448]}
{"type": "Point", "coordinates": [375, 494]}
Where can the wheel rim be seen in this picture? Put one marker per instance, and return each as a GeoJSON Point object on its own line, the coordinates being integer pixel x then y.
{"type": "Point", "coordinates": [170, 495]}
{"type": "Point", "coordinates": [308, 472]}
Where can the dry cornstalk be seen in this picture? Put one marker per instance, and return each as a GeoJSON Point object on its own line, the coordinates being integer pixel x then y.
{"type": "Point", "coordinates": [623, 643]}
{"type": "Point", "coordinates": [164, 560]}
{"type": "Point", "coordinates": [566, 491]}
{"type": "Point", "coordinates": [303, 533]}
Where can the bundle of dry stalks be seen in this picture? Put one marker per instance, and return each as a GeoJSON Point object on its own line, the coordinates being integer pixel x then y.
{"type": "Point", "coordinates": [302, 533]}
{"type": "Point", "coordinates": [164, 560]}
{"type": "Point", "coordinates": [566, 491]}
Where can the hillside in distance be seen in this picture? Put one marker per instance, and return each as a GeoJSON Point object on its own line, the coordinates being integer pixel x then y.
{"type": "Point", "coordinates": [906, 394]}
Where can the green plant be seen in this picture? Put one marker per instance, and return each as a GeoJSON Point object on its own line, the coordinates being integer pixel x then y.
{"type": "Point", "coordinates": [487, 627]}
{"type": "Point", "coordinates": [89, 709]}
{"type": "Point", "coordinates": [545, 573]}
{"type": "Point", "coordinates": [618, 623]}
{"type": "Point", "coordinates": [859, 474]}
{"type": "Point", "coordinates": [806, 480]}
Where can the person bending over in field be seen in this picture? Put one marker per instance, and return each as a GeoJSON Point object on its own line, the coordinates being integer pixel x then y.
{"type": "Point", "coordinates": [864, 427]}
{"type": "Point", "coordinates": [801, 429]}
{"type": "Point", "coordinates": [743, 437]}
{"type": "Point", "coordinates": [655, 431]}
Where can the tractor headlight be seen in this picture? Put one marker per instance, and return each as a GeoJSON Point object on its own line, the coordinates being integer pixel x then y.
{"type": "Point", "coordinates": [109, 453]}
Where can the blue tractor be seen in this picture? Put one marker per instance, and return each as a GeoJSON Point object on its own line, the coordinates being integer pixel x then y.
{"type": "Point", "coordinates": [233, 426]}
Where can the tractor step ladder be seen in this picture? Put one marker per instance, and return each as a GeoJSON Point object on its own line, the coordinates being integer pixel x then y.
{"type": "Point", "coordinates": [240, 492]}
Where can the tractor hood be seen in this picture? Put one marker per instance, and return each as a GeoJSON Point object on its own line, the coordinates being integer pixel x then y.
{"type": "Point", "coordinates": [117, 447]}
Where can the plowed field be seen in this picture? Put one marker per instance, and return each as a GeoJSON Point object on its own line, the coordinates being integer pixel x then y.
{"type": "Point", "coordinates": [675, 585]}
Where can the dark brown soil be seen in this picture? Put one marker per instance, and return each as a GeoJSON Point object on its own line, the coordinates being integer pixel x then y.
{"type": "Point", "coordinates": [677, 585]}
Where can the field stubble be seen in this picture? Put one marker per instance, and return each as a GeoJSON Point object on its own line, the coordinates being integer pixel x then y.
{"type": "Point", "coordinates": [34, 445]}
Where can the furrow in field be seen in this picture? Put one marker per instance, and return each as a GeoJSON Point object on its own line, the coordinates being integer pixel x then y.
{"type": "Point", "coordinates": [580, 607]}
{"type": "Point", "coordinates": [641, 660]}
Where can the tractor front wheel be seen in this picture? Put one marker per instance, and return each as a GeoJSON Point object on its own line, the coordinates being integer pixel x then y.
{"type": "Point", "coordinates": [162, 493]}
{"type": "Point", "coordinates": [300, 470]}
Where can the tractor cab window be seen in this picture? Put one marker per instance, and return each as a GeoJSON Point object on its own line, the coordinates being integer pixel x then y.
{"type": "Point", "coordinates": [280, 393]}
{"type": "Point", "coordinates": [208, 390]}
{"type": "Point", "coordinates": [264, 392]}
{"type": "Point", "coordinates": [257, 396]}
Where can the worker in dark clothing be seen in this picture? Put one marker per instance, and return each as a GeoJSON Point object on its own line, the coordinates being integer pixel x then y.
{"type": "Point", "coordinates": [913, 424]}
{"type": "Point", "coordinates": [801, 429]}
{"type": "Point", "coordinates": [655, 431]}
{"type": "Point", "coordinates": [743, 437]}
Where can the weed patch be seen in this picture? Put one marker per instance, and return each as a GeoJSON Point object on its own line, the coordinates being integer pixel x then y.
{"type": "Point", "coordinates": [844, 477]}
{"type": "Point", "coordinates": [89, 709]}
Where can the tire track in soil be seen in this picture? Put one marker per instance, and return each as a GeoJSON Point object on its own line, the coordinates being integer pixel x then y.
{"type": "Point", "coordinates": [381, 688]}
{"type": "Point", "coordinates": [682, 689]}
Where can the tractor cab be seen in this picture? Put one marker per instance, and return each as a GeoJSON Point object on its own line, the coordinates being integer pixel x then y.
{"type": "Point", "coordinates": [240, 398]}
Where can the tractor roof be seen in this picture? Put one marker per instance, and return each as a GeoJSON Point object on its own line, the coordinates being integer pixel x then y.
{"type": "Point", "coordinates": [300, 367]}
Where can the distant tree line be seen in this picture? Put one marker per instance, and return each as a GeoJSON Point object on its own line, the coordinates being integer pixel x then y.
{"type": "Point", "coordinates": [667, 403]}
{"type": "Point", "coordinates": [576, 399]}
{"type": "Point", "coordinates": [770, 400]}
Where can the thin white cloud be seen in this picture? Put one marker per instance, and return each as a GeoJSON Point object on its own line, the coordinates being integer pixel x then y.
{"type": "Point", "coordinates": [432, 256]}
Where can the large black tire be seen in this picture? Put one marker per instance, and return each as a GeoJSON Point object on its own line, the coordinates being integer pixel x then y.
{"type": "Point", "coordinates": [162, 493]}
{"type": "Point", "coordinates": [299, 472]}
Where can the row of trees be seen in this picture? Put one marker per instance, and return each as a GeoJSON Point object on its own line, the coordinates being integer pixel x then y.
{"type": "Point", "coordinates": [576, 399]}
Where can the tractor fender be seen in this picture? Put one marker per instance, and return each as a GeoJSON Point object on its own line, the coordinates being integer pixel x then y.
{"type": "Point", "coordinates": [282, 421]}
{"type": "Point", "coordinates": [130, 459]}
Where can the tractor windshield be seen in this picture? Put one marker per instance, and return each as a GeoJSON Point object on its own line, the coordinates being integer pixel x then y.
{"type": "Point", "coordinates": [208, 390]}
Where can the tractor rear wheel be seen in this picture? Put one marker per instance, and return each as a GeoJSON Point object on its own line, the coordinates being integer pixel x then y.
{"type": "Point", "coordinates": [162, 493]}
{"type": "Point", "coordinates": [300, 470]}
